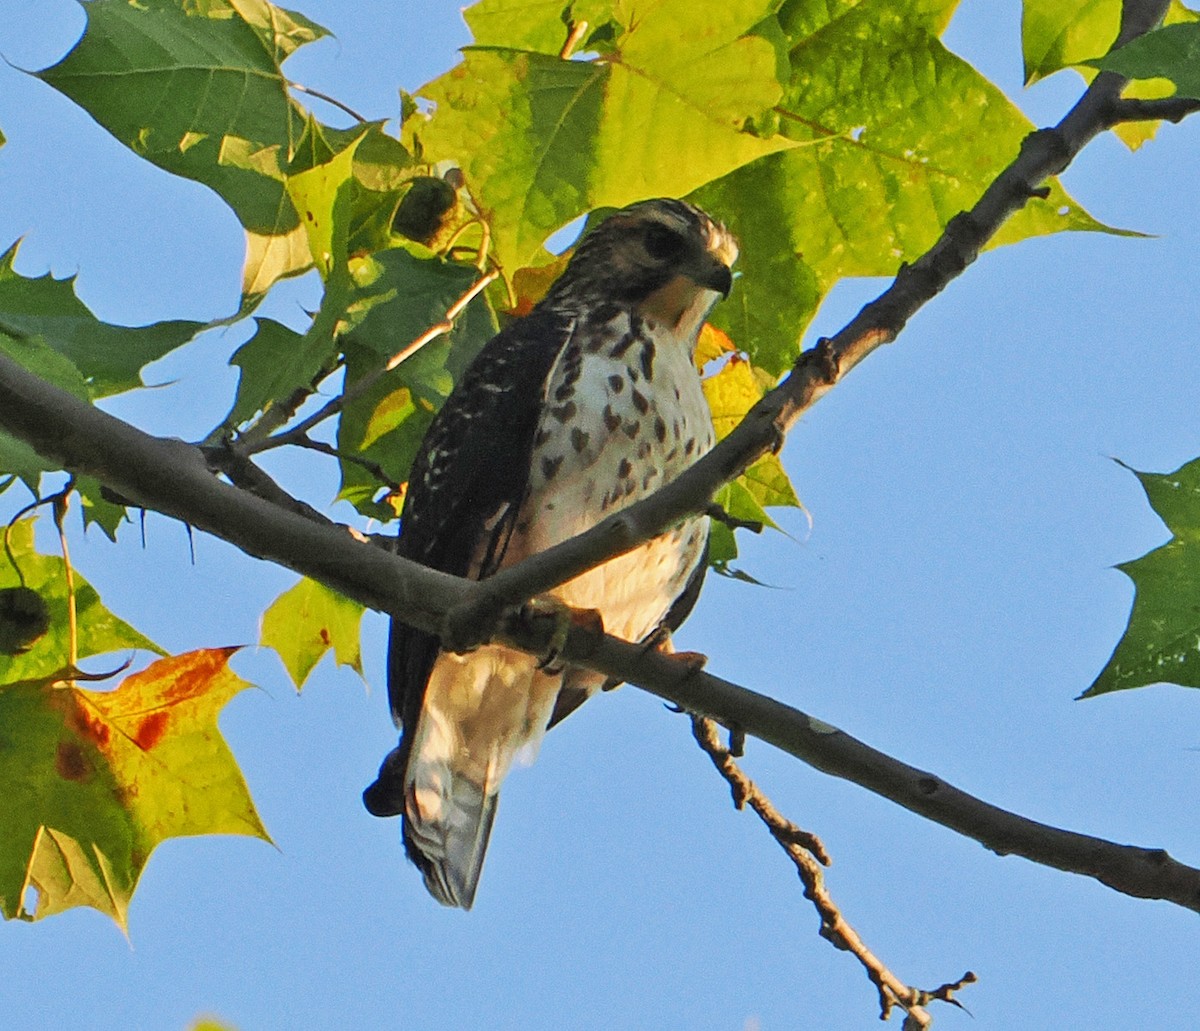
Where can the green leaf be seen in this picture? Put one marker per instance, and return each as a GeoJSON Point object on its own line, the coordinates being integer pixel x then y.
{"type": "Point", "coordinates": [543, 140]}
{"type": "Point", "coordinates": [1162, 641]}
{"type": "Point", "coordinates": [94, 781]}
{"type": "Point", "coordinates": [99, 510]}
{"type": "Point", "coordinates": [99, 630]}
{"type": "Point", "coordinates": [895, 135]}
{"type": "Point", "coordinates": [197, 88]}
{"type": "Point", "coordinates": [1057, 34]}
{"type": "Point", "coordinates": [272, 367]}
{"type": "Point", "coordinates": [110, 358]}
{"type": "Point", "coordinates": [399, 294]}
{"type": "Point", "coordinates": [308, 620]}
{"type": "Point", "coordinates": [732, 392]}
{"type": "Point", "coordinates": [1171, 52]}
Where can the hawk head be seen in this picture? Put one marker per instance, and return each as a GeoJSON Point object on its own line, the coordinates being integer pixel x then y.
{"type": "Point", "coordinates": [658, 255]}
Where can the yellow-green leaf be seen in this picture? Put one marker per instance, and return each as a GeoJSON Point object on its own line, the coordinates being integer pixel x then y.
{"type": "Point", "coordinates": [308, 620]}
{"type": "Point", "coordinates": [93, 781]}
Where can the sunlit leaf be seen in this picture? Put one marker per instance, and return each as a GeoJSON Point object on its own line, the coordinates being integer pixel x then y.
{"type": "Point", "coordinates": [308, 620]}
{"type": "Point", "coordinates": [93, 781]}
{"type": "Point", "coordinates": [896, 135]}
{"type": "Point", "coordinates": [544, 140]}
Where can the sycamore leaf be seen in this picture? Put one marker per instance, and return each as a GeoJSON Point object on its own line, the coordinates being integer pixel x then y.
{"type": "Point", "coordinates": [543, 140]}
{"type": "Point", "coordinates": [731, 393]}
{"type": "Point", "coordinates": [308, 620]}
{"type": "Point", "coordinates": [1057, 34]}
{"type": "Point", "coordinates": [895, 135]}
{"type": "Point", "coordinates": [99, 630]}
{"type": "Point", "coordinates": [109, 358]}
{"type": "Point", "coordinates": [398, 294]}
{"type": "Point", "coordinates": [197, 88]}
{"type": "Point", "coordinates": [1161, 644]}
{"type": "Point", "coordinates": [98, 508]}
{"type": "Point", "coordinates": [711, 344]}
{"type": "Point", "coordinates": [272, 366]}
{"type": "Point", "coordinates": [93, 781]}
{"type": "Point", "coordinates": [1171, 52]}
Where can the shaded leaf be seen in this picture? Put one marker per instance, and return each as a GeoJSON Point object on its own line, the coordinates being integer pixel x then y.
{"type": "Point", "coordinates": [99, 630]}
{"type": "Point", "coordinates": [1057, 34]}
{"type": "Point", "coordinates": [398, 294]}
{"type": "Point", "coordinates": [197, 89]}
{"type": "Point", "coordinates": [109, 358]}
{"type": "Point", "coordinates": [271, 369]}
{"type": "Point", "coordinates": [99, 509]}
{"type": "Point", "coordinates": [1161, 644]}
{"type": "Point", "coordinates": [94, 781]}
{"type": "Point", "coordinates": [308, 620]}
{"type": "Point", "coordinates": [1171, 52]}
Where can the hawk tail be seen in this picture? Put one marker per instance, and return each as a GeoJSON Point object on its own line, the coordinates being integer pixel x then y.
{"type": "Point", "coordinates": [447, 823]}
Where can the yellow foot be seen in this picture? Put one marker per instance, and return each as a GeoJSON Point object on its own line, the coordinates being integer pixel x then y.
{"type": "Point", "coordinates": [563, 618]}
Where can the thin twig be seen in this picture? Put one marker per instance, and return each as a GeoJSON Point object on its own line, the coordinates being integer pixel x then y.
{"type": "Point", "coordinates": [60, 514]}
{"type": "Point", "coordinates": [374, 468]}
{"type": "Point", "coordinates": [355, 390]}
{"type": "Point", "coordinates": [808, 854]}
{"type": "Point", "coordinates": [577, 31]}
{"type": "Point", "coordinates": [328, 100]}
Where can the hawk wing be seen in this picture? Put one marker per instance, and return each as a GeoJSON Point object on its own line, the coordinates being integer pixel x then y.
{"type": "Point", "coordinates": [464, 492]}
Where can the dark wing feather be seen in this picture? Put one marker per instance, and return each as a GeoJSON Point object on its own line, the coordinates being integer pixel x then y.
{"type": "Point", "coordinates": [464, 491]}
{"type": "Point", "coordinates": [472, 471]}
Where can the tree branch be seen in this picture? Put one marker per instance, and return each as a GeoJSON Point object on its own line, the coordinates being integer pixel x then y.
{"type": "Point", "coordinates": [1043, 153]}
{"type": "Point", "coordinates": [808, 855]}
{"type": "Point", "coordinates": [173, 477]}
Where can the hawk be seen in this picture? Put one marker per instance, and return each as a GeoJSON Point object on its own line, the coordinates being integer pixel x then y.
{"type": "Point", "coordinates": [581, 407]}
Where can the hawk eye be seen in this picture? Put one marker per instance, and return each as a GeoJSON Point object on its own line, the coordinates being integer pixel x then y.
{"type": "Point", "coordinates": [662, 243]}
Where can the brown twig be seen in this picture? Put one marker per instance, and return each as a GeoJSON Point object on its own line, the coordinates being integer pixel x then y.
{"type": "Point", "coordinates": [353, 391]}
{"type": "Point", "coordinates": [374, 468]}
{"type": "Point", "coordinates": [328, 100]}
{"type": "Point", "coordinates": [808, 854]}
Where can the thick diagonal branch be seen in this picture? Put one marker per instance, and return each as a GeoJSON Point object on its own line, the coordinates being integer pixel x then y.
{"type": "Point", "coordinates": [174, 478]}
{"type": "Point", "coordinates": [1044, 153]}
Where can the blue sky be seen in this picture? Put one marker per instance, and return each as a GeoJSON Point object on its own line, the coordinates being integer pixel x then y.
{"type": "Point", "coordinates": [952, 597]}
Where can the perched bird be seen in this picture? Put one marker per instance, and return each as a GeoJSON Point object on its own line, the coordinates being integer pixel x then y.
{"type": "Point", "coordinates": [586, 404]}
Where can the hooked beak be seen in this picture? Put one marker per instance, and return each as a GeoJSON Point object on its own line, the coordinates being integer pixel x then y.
{"type": "Point", "coordinates": [714, 274]}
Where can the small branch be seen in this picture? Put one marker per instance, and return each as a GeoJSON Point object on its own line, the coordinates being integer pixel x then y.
{"type": "Point", "coordinates": [353, 391]}
{"type": "Point", "coordinates": [175, 478]}
{"type": "Point", "coordinates": [1167, 109]}
{"type": "Point", "coordinates": [574, 37]}
{"type": "Point", "coordinates": [328, 100]}
{"type": "Point", "coordinates": [808, 854]}
{"type": "Point", "coordinates": [374, 468]}
{"type": "Point", "coordinates": [60, 513]}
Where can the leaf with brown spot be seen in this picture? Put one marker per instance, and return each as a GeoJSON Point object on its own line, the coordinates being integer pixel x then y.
{"type": "Point", "coordinates": [308, 620]}
{"type": "Point", "coordinates": [93, 781]}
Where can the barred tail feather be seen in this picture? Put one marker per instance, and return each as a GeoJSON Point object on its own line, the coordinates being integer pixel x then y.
{"type": "Point", "coordinates": [449, 848]}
